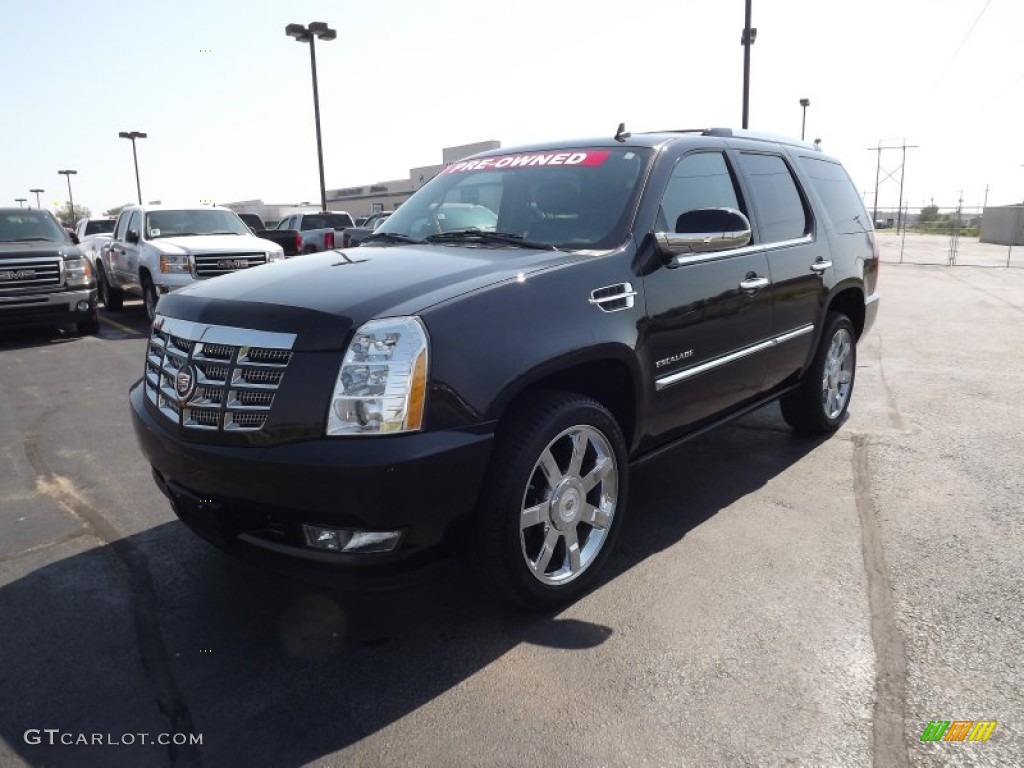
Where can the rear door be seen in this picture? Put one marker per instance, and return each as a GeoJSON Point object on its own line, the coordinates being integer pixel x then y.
{"type": "Point", "coordinates": [797, 252]}
{"type": "Point", "coordinates": [709, 314]}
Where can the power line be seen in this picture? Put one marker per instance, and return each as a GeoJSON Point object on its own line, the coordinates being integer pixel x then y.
{"type": "Point", "coordinates": [964, 41]}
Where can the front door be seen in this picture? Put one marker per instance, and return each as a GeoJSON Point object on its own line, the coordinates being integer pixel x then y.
{"type": "Point", "coordinates": [709, 315]}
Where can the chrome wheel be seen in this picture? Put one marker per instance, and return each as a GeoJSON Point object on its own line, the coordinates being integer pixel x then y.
{"type": "Point", "coordinates": [568, 505]}
{"type": "Point", "coordinates": [837, 376]}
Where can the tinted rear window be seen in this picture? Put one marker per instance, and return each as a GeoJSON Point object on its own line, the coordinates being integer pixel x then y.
{"type": "Point", "coordinates": [780, 208]}
{"type": "Point", "coordinates": [326, 221]}
{"type": "Point", "coordinates": [842, 203]}
{"type": "Point", "coordinates": [99, 226]}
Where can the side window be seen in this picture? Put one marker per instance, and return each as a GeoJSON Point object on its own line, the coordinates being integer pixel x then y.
{"type": "Point", "coordinates": [842, 203]}
{"type": "Point", "coordinates": [700, 180]}
{"type": "Point", "coordinates": [121, 226]}
{"type": "Point", "coordinates": [136, 222]}
{"type": "Point", "coordinates": [285, 223]}
{"type": "Point", "coordinates": [781, 213]}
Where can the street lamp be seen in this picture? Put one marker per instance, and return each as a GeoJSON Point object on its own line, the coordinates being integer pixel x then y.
{"type": "Point", "coordinates": [69, 173]}
{"type": "Point", "coordinates": [37, 191]}
{"type": "Point", "coordinates": [21, 201]}
{"type": "Point", "coordinates": [133, 135]}
{"type": "Point", "coordinates": [805, 103]}
{"type": "Point", "coordinates": [747, 40]}
{"type": "Point", "coordinates": [308, 35]}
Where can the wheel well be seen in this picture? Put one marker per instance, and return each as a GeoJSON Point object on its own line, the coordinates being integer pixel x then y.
{"type": "Point", "coordinates": [606, 381]}
{"type": "Point", "coordinates": [144, 276]}
{"type": "Point", "coordinates": [850, 302]}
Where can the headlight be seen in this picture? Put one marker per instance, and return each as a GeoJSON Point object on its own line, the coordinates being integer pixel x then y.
{"type": "Point", "coordinates": [173, 263]}
{"type": "Point", "coordinates": [382, 384]}
{"type": "Point", "coordinates": [275, 256]}
{"type": "Point", "coordinates": [77, 272]}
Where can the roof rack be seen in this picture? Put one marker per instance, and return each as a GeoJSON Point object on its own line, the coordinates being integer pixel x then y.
{"type": "Point", "coordinates": [742, 134]}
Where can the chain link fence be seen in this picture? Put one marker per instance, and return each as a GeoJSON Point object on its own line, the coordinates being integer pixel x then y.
{"type": "Point", "coordinates": [945, 236]}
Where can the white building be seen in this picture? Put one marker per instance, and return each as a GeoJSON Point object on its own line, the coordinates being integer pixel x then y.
{"type": "Point", "coordinates": [369, 198]}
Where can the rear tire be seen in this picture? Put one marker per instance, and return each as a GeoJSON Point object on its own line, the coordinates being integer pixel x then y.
{"type": "Point", "coordinates": [819, 404]}
{"type": "Point", "coordinates": [112, 298]}
{"type": "Point", "coordinates": [553, 501]}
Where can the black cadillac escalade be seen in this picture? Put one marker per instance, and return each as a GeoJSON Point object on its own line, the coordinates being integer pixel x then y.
{"type": "Point", "coordinates": [487, 366]}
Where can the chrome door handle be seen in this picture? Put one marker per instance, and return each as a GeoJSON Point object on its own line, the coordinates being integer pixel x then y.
{"type": "Point", "coordinates": [754, 284]}
{"type": "Point", "coordinates": [820, 266]}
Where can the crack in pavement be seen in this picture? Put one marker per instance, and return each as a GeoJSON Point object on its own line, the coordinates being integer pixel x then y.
{"type": "Point", "coordinates": [152, 651]}
{"type": "Point", "coordinates": [889, 748]}
{"type": "Point", "coordinates": [895, 417]}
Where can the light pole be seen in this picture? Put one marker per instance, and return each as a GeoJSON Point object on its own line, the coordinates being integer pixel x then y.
{"type": "Point", "coordinates": [37, 191]}
{"type": "Point", "coordinates": [21, 201]}
{"type": "Point", "coordinates": [747, 40]}
{"type": "Point", "coordinates": [133, 135]}
{"type": "Point", "coordinates": [805, 103]}
{"type": "Point", "coordinates": [308, 35]}
{"type": "Point", "coordinates": [69, 173]}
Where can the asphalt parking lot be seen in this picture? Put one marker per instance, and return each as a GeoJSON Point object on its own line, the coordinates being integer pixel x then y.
{"type": "Point", "coordinates": [773, 601]}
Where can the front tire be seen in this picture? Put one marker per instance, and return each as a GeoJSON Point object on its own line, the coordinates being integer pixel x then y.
{"type": "Point", "coordinates": [553, 500]}
{"type": "Point", "coordinates": [112, 298]}
{"type": "Point", "coordinates": [89, 327]}
{"type": "Point", "coordinates": [149, 296]}
{"type": "Point", "coordinates": [819, 404]}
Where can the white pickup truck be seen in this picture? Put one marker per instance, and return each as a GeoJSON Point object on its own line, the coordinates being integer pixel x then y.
{"type": "Point", "coordinates": [157, 249]}
{"type": "Point", "coordinates": [92, 234]}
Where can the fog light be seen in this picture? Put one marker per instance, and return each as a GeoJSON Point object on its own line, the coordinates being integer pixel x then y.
{"type": "Point", "coordinates": [330, 539]}
{"type": "Point", "coordinates": [350, 541]}
{"type": "Point", "coordinates": [83, 306]}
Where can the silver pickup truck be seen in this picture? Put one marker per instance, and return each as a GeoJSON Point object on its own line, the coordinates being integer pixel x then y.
{"type": "Point", "coordinates": [317, 231]}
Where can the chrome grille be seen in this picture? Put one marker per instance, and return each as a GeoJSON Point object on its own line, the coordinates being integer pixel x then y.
{"type": "Point", "coordinates": [21, 275]}
{"type": "Point", "coordinates": [213, 264]}
{"type": "Point", "coordinates": [236, 374]}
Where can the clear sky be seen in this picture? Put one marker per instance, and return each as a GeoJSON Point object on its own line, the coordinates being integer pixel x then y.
{"type": "Point", "coordinates": [226, 97]}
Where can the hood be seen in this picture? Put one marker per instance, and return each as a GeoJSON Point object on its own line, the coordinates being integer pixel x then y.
{"type": "Point", "coordinates": [38, 248]}
{"type": "Point", "coordinates": [359, 284]}
{"type": "Point", "coordinates": [212, 244]}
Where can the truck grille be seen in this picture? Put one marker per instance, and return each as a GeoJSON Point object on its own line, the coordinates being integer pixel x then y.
{"type": "Point", "coordinates": [28, 274]}
{"type": "Point", "coordinates": [214, 377]}
{"type": "Point", "coordinates": [213, 264]}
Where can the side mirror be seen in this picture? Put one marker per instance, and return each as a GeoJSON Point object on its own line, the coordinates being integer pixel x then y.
{"type": "Point", "coordinates": [132, 236]}
{"type": "Point", "coordinates": [74, 239]}
{"type": "Point", "coordinates": [705, 230]}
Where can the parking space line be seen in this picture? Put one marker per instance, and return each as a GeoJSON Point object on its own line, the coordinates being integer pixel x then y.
{"type": "Point", "coordinates": [121, 327]}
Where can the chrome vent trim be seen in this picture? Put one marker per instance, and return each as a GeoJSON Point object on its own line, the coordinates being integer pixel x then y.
{"type": "Point", "coordinates": [613, 298]}
{"type": "Point", "coordinates": [237, 373]}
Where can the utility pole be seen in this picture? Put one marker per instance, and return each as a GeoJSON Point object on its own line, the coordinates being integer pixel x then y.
{"type": "Point", "coordinates": [749, 36]}
{"type": "Point", "coordinates": [889, 174]}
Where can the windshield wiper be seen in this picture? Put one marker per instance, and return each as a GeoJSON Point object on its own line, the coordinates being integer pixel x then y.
{"type": "Point", "coordinates": [391, 237]}
{"type": "Point", "coordinates": [475, 235]}
{"type": "Point", "coordinates": [31, 240]}
{"type": "Point", "coordinates": [228, 232]}
{"type": "Point", "coordinates": [173, 234]}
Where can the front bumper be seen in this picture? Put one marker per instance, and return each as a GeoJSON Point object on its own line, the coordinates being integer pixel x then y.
{"type": "Point", "coordinates": [252, 500]}
{"type": "Point", "coordinates": [55, 308]}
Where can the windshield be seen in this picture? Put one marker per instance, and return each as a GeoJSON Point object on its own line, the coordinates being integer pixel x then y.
{"type": "Point", "coordinates": [99, 226]}
{"type": "Point", "coordinates": [196, 222]}
{"type": "Point", "coordinates": [28, 226]}
{"type": "Point", "coordinates": [570, 198]}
